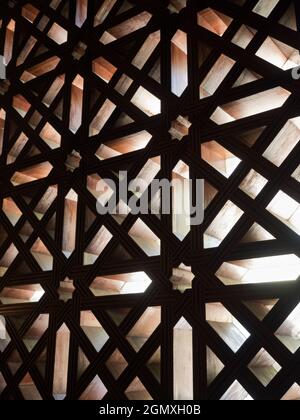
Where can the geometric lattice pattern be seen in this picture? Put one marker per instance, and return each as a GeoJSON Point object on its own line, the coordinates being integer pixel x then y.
{"type": "Point", "coordinates": [144, 306]}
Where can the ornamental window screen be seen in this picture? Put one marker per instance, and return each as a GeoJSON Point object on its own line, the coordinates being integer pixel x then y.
{"type": "Point", "coordinates": [133, 306]}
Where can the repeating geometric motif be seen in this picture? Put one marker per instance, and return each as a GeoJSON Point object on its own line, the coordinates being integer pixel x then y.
{"type": "Point", "coordinates": [145, 306]}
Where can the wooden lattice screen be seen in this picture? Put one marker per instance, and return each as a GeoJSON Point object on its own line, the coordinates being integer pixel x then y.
{"type": "Point", "coordinates": [143, 306]}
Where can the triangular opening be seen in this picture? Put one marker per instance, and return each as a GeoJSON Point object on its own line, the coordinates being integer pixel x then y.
{"type": "Point", "coordinates": [120, 254]}
{"type": "Point", "coordinates": [261, 308]}
{"type": "Point", "coordinates": [257, 234]}
{"type": "Point", "coordinates": [124, 7]}
{"type": "Point", "coordinates": [2, 383]}
{"type": "Point", "coordinates": [21, 267]}
{"type": "Point", "coordinates": [136, 391]}
{"type": "Point", "coordinates": [118, 315]}
{"type": "Point", "coordinates": [83, 363]}
{"type": "Point", "coordinates": [50, 226]}
{"type": "Point", "coordinates": [153, 364]}
{"type": "Point", "coordinates": [249, 138]}
{"type": "Point", "coordinates": [123, 120]}
{"type": "Point", "coordinates": [40, 363]}
{"type": "Point", "coordinates": [293, 394]}
{"type": "Point", "coordinates": [214, 366]}
{"type": "Point", "coordinates": [236, 393]}
{"type": "Point", "coordinates": [14, 362]}
{"type": "Point", "coordinates": [29, 389]}
{"type": "Point", "coordinates": [155, 72]}
{"type": "Point", "coordinates": [95, 391]}
{"type": "Point", "coordinates": [90, 218]}
{"type": "Point", "coordinates": [4, 337]}
{"type": "Point", "coordinates": [289, 18]}
{"type": "Point", "coordinates": [289, 332]}
{"type": "Point", "coordinates": [58, 110]}
{"type": "Point", "coordinates": [247, 76]}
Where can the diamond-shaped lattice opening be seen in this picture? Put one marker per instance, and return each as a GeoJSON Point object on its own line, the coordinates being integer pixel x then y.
{"type": "Point", "coordinates": [180, 127]}
{"type": "Point", "coordinates": [284, 143]}
{"type": "Point", "coordinates": [293, 394]}
{"type": "Point", "coordinates": [116, 364]}
{"type": "Point", "coordinates": [93, 330]}
{"type": "Point", "coordinates": [253, 184]}
{"type": "Point", "coordinates": [264, 367]}
{"type": "Point", "coordinates": [289, 332]}
{"type": "Point", "coordinates": [226, 326]}
{"type": "Point", "coordinates": [214, 21]}
{"type": "Point", "coordinates": [144, 327]}
{"type": "Point", "coordinates": [236, 393]}
{"type": "Point", "coordinates": [103, 69]}
{"type": "Point", "coordinates": [145, 238]}
{"type": "Point", "coordinates": [244, 36]}
{"type": "Point", "coordinates": [223, 223]}
{"type": "Point", "coordinates": [219, 158]}
{"type": "Point", "coordinates": [287, 210]}
{"type": "Point", "coordinates": [95, 391]}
